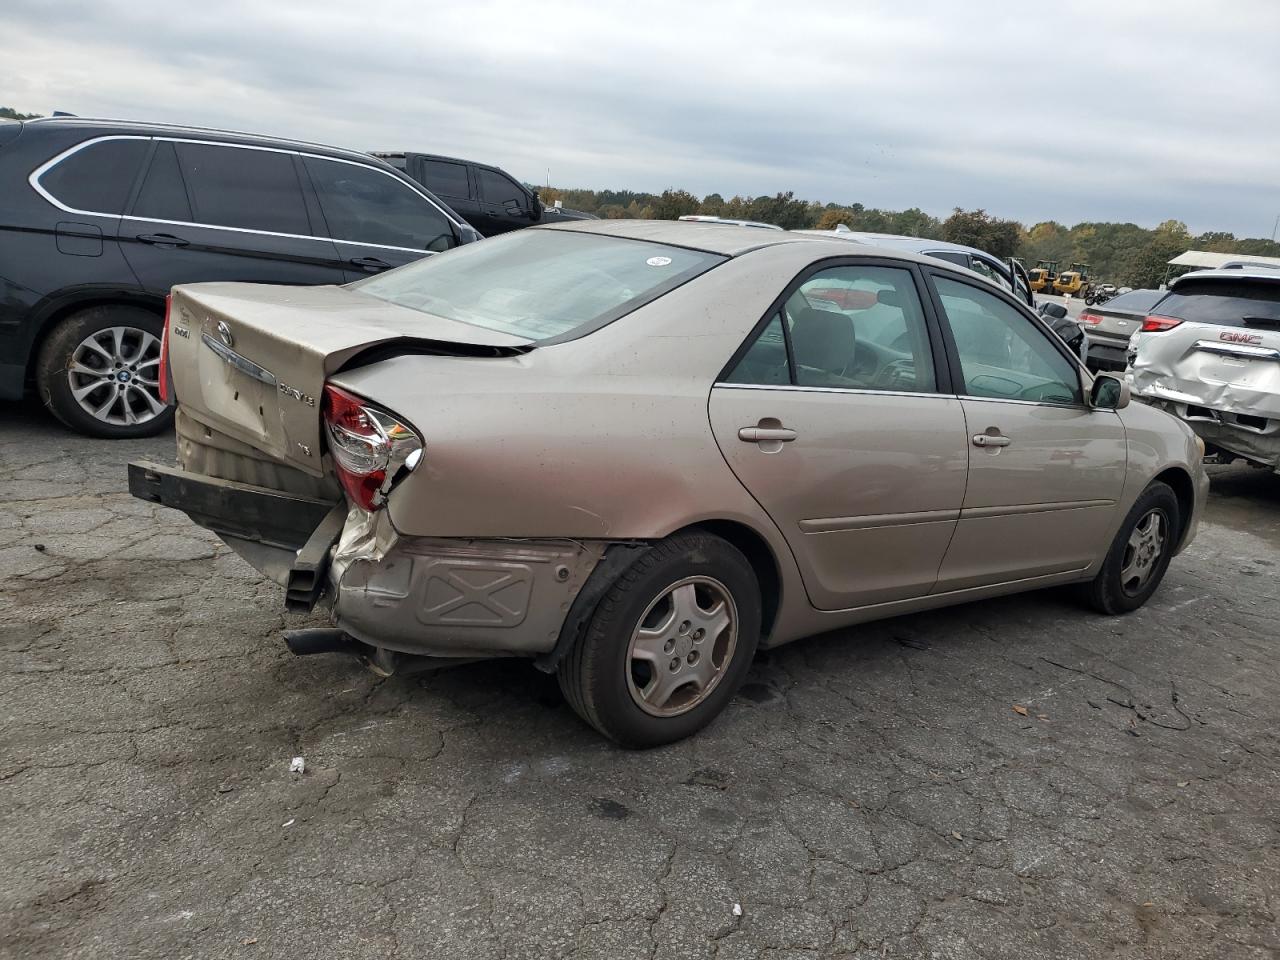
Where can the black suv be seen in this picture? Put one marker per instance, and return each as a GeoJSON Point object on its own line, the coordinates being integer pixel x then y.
{"type": "Point", "coordinates": [99, 218]}
{"type": "Point", "coordinates": [488, 198]}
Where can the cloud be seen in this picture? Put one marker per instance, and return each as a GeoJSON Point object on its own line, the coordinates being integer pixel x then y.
{"type": "Point", "coordinates": [1128, 112]}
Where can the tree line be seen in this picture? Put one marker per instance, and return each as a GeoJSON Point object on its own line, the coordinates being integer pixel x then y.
{"type": "Point", "coordinates": [1122, 253]}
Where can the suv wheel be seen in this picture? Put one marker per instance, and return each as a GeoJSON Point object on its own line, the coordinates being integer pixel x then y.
{"type": "Point", "coordinates": [1139, 554]}
{"type": "Point", "coordinates": [98, 372]}
{"type": "Point", "coordinates": [668, 645]}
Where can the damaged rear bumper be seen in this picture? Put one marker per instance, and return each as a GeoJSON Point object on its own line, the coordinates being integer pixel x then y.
{"type": "Point", "coordinates": [418, 595]}
{"type": "Point", "coordinates": [1252, 437]}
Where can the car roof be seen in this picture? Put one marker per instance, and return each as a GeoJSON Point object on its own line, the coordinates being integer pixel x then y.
{"type": "Point", "coordinates": [896, 241]}
{"type": "Point", "coordinates": [708, 218]}
{"type": "Point", "coordinates": [1226, 275]}
{"type": "Point", "coordinates": [722, 238]}
{"type": "Point", "coordinates": [101, 126]}
{"type": "Point", "coordinates": [404, 154]}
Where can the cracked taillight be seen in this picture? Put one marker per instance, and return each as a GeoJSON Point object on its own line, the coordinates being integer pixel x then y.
{"type": "Point", "coordinates": [369, 446]}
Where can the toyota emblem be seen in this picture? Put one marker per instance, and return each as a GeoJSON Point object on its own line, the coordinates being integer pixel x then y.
{"type": "Point", "coordinates": [224, 334]}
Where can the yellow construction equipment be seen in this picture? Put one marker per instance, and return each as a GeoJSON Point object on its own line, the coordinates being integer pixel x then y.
{"type": "Point", "coordinates": [1043, 275]}
{"type": "Point", "coordinates": [1074, 281]}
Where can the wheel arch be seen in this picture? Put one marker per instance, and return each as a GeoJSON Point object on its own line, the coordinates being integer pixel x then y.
{"type": "Point", "coordinates": [58, 310]}
{"type": "Point", "coordinates": [1180, 482]}
{"type": "Point", "coordinates": [620, 555]}
{"type": "Point", "coordinates": [760, 555]}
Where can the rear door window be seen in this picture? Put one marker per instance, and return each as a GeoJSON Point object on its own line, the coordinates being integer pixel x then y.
{"type": "Point", "coordinates": [97, 178]}
{"type": "Point", "coordinates": [247, 188]}
{"type": "Point", "coordinates": [445, 179]}
{"type": "Point", "coordinates": [848, 327]}
{"type": "Point", "coordinates": [163, 195]}
{"type": "Point", "coordinates": [364, 205]}
{"type": "Point", "coordinates": [1229, 304]}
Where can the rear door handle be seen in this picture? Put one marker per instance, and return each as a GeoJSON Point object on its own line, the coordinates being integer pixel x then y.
{"type": "Point", "coordinates": [987, 440]}
{"type": "Point", "coordinates": [371, 264]}
{"type": "Point", "coordinates": [162, 240]}
{"type": "Point", "coordinates": [765, 434]}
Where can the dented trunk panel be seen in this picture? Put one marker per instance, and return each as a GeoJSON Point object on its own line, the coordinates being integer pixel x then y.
{"type": "Point", "coordinates": [250, 360]}
{"type": "Point", "coordinates": [1223, 381]}
{"type": "Point", "coordinates": [1223, 368]}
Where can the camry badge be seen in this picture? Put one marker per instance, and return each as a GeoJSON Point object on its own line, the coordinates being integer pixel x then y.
{"type": "Point", "coordinates": [224, 334]}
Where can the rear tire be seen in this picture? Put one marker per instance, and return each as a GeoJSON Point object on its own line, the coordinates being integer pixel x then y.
{"type": "Point", "coordinates": [1139, 554]}
{"type": "Point", "coordinates": [654, 665]}
{"type": "Point", "coordinates": [103, 383]}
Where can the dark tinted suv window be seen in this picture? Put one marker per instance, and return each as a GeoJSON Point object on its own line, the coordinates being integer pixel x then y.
{"type": "Point", "coordinates": [98, 178]}
{"type": "Point", "coordinates": [445, 179]}
{"type": "Point", "coordinates": [1234, 304]}
{"type": "Point", "coordinates": [163, 195]}
{"type": "Point", "coordinates": [364, 205]}
{"type": "Point", "coordinates": [247, 188]}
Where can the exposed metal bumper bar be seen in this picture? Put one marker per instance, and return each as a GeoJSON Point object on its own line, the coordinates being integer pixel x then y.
{"type": "Point", "coordinates": [295, 534]}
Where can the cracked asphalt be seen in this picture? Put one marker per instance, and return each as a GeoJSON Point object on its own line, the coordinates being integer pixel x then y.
{"type": "Point", "coordinates": [871, 793]}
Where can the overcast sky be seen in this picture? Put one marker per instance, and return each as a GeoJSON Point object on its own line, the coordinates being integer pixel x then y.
{"type": "Point", "coordinates": [1138, 111]}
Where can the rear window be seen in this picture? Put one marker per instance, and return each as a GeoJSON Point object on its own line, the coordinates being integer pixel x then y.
{"type": "Point", "coordinates": [1136, 301]}
{"type": "Point", "coordinates": [445, 179]}
{"type": "Point", "coordinates": [96, 178]}
{"type": "Point", "coordinates": [540, 284]}
{"type": "Point", "coordinates": [1229, 304]}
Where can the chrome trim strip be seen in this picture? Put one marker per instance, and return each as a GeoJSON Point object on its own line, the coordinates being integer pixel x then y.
{"type": "Point", "coordinates": [1242, 350]}
{"type": "Point", "coordinates": [1028, 403]}
{"type": "Point", "coordinates": [243, 364]}
{"type": "Point", "coordinates": [982, 513]}
{"type": "Point", "coordinates": [38, 172]}
{"type": "Point", "coordinates": [869, 521]}
{"type": "Point", "coordinates": [794, 389]}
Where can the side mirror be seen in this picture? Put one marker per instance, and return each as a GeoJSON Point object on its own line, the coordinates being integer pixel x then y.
{"type": "Point", "coordinates": [535, 207]}
{"type": "Point", "coordinates": [1055, 311]}
{"type": "Point", "coordinates": [1108, 393]}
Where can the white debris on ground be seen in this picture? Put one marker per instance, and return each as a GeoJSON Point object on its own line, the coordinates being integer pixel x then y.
{"type": "Point", "coordinates": [298, 765]}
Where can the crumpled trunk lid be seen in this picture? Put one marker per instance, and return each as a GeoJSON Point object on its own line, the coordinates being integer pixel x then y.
{"type": "Point", "coordinates": [1232, 369]}
{"type": "Point", "coordinates": [249, 361]}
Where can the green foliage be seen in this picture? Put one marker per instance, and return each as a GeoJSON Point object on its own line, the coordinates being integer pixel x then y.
{"type": "Point", "coordinates": [8, 113]}
{"type": "Point", "coordinates": [977, 228]}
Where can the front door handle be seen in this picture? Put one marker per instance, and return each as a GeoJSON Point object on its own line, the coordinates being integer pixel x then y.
{"type": "Point", "coordinates": [162, 240]}
{"type": "Point", "coordinates": [766, 434]}
{"type": "Point", "coordinates": [989, 440]}
{"type": "Point", "coordinates": [370, 264]}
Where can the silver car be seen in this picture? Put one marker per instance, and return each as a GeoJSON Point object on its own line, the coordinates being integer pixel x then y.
{"type": "Point", "coordinates": [636, 452]}
{"type": "Point", "coordinates": [1209, 352]}
{"type": "Point", "coordinates": [1108, 327]}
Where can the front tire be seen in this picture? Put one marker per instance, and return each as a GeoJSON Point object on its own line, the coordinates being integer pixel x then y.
{"type": "Point", "coordinates": [1139, 554]}
{"type": "Point", "coordinates": [668, 644]}
{"type": "Point", "coordinates": [98, 372]}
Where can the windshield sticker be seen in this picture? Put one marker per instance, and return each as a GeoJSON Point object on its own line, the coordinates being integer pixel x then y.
{"type": "Point", "coordinates": [658, 261]}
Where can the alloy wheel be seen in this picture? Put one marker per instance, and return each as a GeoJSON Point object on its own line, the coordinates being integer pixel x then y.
{"type": "Point", "coordinates": [114, 374]}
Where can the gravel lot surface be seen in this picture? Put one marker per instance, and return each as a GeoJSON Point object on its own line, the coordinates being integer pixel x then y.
{"type": "Point", "coordinates": [872, 793]}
